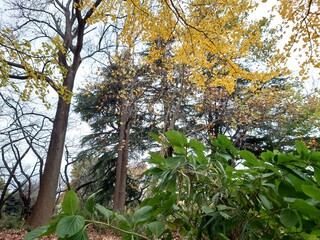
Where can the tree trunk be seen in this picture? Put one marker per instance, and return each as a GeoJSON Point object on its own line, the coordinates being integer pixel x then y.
{"type": "Point", "coordinates": [45, 203]}
{"type": "Point", "coordinates": [119, 198]}
{"type": "Point", "coordinates": [68, 23]}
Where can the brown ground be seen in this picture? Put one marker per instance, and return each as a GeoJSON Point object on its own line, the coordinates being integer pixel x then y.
{"type": "Point", "coordinates": [11, 234]}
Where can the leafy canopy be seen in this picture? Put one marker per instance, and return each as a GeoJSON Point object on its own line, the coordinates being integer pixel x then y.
{"type": "Point", "coordinates": [206, 34]}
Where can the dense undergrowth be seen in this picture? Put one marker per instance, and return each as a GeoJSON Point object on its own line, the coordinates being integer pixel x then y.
{"type": "Point", "coordinates": [196, 194]}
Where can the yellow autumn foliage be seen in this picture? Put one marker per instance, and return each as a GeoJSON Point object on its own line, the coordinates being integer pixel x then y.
{"type": "Point", "coordinates": [301, 20]}
{"type": "Point", "coordinates": [32, 65]}
{"type": "Point", "coordinates": [205, 35]}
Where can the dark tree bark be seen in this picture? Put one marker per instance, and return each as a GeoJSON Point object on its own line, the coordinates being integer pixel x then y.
{"type": "Point", "coordinates": [119, 197]}
{"type": "Point", "coordinates": [126, 107]}
{"type": "Point", "coordinates": [42, 211]}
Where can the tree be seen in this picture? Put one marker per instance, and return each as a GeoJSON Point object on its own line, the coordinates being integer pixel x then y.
{"type": "Point", "coordinates": [24, 136]}
{"type": "Point", "coordinates": [300, 22]}
{"type": "Point", "coordinates": [51, 56]}
{"type": "Point", "coordinates": [112, 109]}
{"type": "Point", "coordinates": [273, 116]}
{"type": "Point", "coordinates": [200, 28]}
{"type": "Point", "coordinates": [175, 79]}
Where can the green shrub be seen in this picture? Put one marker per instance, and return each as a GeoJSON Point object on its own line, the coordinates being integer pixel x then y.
{"type": "Point", "coordinates": [196, 195]}
{"type": "Point", "coordinates": [12, 221]}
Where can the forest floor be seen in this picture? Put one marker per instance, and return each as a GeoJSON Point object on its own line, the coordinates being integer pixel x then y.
{"type": "Point", "coordinates": [16, 234]}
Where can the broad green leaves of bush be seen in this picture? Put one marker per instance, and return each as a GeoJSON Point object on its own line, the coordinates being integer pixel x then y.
{"type": "Point", "coordinates": [196, 194]}
{"type": "Point", "coordinates": [68, 225]}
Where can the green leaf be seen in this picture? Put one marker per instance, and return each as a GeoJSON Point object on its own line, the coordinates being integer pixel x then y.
{"type": "Point", "coordinates": [222, 207]}
{"type": "Point", "coordinates": [311, 191]}
{"type": "Point", "coordinates": [298, 173]}
{"type": "Point", "coordinates": [168, 181]}
{"type": "Point", "coordinates": [285, 158]}
{"type": "Point", "coordinates": [157, 228]}
{"type": "Point", "coordinates": [286, 189]}
{"type": "Point", "coordinates": [224, 215]}
{"type": "Point", "coordinates": [298, 179]}
{"type": "Point", "coordinates": [207, 210]}
{"type": "Point", "coordinates": [36, 233]}
{"type": "Point", "coordinates": [90, 203]}
{"type": "Point", "coordinates": [105, 212]}
{"type": "Point", "coordinates": [70, 203]}
{"type": "Point", "coordinates": [223, 236]}
{"type": "Point", "coordinates": [196, 145]}
{"type": "Point", "coordinates": [288, 217]}
{"type": "Point", "coordinates": [226, 156]}
{"type": "Point", "coordinates": [223, 142]}
{"type": "Point", "coordinates": [53, 224]}
{"type": "Point", "coordinates": [317, 174]}
{"type": "Point", "coordinates": [315, 234]}
{"type": "Point", "coordinates": [121, 218]}
{"type": "Point", "coordinates": [313, 237]}
{"type": "Point", "coordinates": [142, 214]}
{"type": "Point", "coordinates": [155, 137]}
{"type": "Point", "coordinates": [172, 162]}
{"type": "Point", "coordinates": [201, 158]}
{"type": "Point", "coordinates": [302, 149]}
{"type": "Point", "coordinates": [315, 157]}
{"type": "Point", "coordinates": [176, 138]}
{"type": "Point", "coordinates": [198, 148]}
{"type": "Point", "coordinates": [249, 157]}
{"type": "Point", "coordinates": [81, 235]}
{"type": "Point", "coordinates": [124, 222]}
{"type": "Point", "coordinates": [70, 225]}
{"type": "Point", "coordinates": [153, 171]}
{"type": "Point", "coordinates": [267, 156]}
{"type": "Point", "coordinates": [265, 201]}
{"type": "Point", "coordinates": [156, 158]}
{"type": "Point", "coordinates": [305, 208]}
{"type": "Point", "coordinates": [180, 150]}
